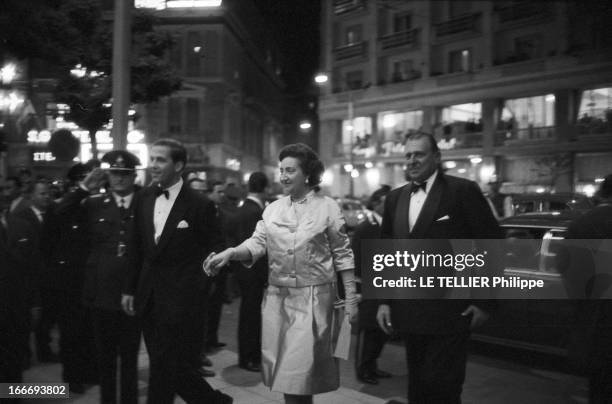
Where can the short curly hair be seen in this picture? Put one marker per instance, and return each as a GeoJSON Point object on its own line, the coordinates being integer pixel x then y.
{"type": "Point", "coordinates": [310, 164]}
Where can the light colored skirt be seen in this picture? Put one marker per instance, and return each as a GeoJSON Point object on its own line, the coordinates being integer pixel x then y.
{"type": "Point", "coordinates": [297, 340]}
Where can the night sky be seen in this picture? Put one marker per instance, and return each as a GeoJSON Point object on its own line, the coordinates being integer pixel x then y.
{"type": "Point", "coordinates": [295, 25]}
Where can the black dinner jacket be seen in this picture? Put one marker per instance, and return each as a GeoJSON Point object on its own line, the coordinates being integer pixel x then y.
{"type": "Point", "coordinates": [455, 208]}
{"type": "Point", "coordinates": [168, 276]}
{"type": "Point", "coordinates": [248, 216]}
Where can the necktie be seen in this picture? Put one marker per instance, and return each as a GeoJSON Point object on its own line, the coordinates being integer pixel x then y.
{"type": "Point", "coordinates": [415, 187]}
{"type": "Point", "coordinates": [159, 191]}
{"type": "Point", "coordinates": [122, 207]}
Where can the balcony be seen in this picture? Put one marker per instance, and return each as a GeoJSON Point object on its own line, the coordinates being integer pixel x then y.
{"type": "Point", "coordinates": [468, 23]}
{"type": "Point", "coordinates": [404, 38]}
{"type": "Point", "coordinates": [347, 6]}
{"type": "Point", "coordinates": [351, 50]}
{"type": "Point", "coordinates": [532, 11]}
{"type": "Point", "coordinates": [504, 137]}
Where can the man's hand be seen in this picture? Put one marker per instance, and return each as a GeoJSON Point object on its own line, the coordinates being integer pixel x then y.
{"type": "Point", "coordinates": [384, 318]}
{"type": "Point", "coordinates": [95, 179]}
{"type": "Point", "coordinates": [479, 316]}
{"type": "Point", "coordinates": [127, 302]}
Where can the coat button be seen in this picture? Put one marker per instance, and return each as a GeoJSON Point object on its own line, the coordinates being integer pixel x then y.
{"type": "Point", "coordinates": [290, 251]}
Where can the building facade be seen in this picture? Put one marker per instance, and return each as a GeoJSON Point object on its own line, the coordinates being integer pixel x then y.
{"type": "Point", "coordinates": [229, 111]}
{"type": "Point", "coordinates": [514, 91]}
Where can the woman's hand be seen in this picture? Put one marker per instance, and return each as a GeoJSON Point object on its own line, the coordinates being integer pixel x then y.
{"type": "Point", "coordinates": [214, 262]}
{"type": "Point", "coordinates": [351, 309]}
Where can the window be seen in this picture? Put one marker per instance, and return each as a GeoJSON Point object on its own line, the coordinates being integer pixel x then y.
{"type": "Point", "coordinates": [174, 116]}
{"type": "Point", "coordinates": [193, 115]}
{"type": "Point", "coordinates": [354, 79]}
{"type": "Point", "coordinates": [195, 50]}
{"type": "Point", "coordinates": [210, 54]}
{"type": "Point", "coordinates": [402, 70]}
{"type": "Point", "coordinates": [527, 47]}
{"type": "Point", "coordinates": [457, 8]}
{"type": "Point", "coordinates": [402, 22]}
{"type": "Point", "coordinates": [176, 52]}
{"type": "Point", "coordinates": [460, 61]}
{"type": "Point", "coordinates": [353, 34]}
{"type": "Point", "coordinates": [523, 113]}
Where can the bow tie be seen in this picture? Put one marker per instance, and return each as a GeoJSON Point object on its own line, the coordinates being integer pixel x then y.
{"type": "Point", "coordinates": [414, 187]}
{"type": "Point", "coordinates": [159, 191]}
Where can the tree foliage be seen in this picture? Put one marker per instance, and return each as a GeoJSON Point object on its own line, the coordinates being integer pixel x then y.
{"type": "Point", "coordinates": [66, 33]}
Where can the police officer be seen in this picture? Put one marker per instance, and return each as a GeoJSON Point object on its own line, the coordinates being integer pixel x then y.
{"type": "Point", "coordinates": [107, 219]}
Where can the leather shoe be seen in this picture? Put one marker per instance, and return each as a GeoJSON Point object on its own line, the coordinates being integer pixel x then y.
{"type": "Point", "coordinates": [77, 388]}
{"type": "Point", "coordinates": [250, 366]}
{"type": "Point", "coordinates": [215, 345]}
{"type": "Point", "coordinates": [206, 372]}
{"type": "Point", "coordinates": [367, 377]}
{"type": "Point", "coordinates": [381, 374]}
{"type": "Point", "coordinates": [205, 360]}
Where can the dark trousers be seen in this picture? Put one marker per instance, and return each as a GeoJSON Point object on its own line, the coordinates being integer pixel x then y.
{"type": "Point", "coordinates": [117, 337]}
{"type": "Point", "coordinates": [216, 296]}
{"type": "Point", "coordinates": [252, 286]}
{"type": "Point", "coordinates": [370, 343]}
{"type": "Point", "coordinates": [50, 302]}
{"type": "Point", "coordinates": [76, 339]}
{"type": "Point", "coordinates": [174, 348]}
{"type": "Point", "coordinates": [436, 367]}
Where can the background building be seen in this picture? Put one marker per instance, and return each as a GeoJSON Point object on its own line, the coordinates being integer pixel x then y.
{"type": "Point", "coordinates": [229, 110]}
{"type": "Point", "coordinates": [516, 91]}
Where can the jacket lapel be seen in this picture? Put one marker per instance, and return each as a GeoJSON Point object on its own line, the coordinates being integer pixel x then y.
{"type": "Point", "coordinates": [400, 227]}
{"type": "Point", "coordinates": [428, 212]}
{"type": "Point", "coordinates": [176, 214]}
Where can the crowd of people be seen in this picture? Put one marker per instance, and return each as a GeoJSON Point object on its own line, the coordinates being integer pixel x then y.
{"type": "Point", "coordinates": [109, 261]}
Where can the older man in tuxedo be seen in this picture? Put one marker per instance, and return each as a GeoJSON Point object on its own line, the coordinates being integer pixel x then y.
{"type": "Point", "coordinates": [175, 228]}
{"type": "Point", "coordinates": [434, 206]}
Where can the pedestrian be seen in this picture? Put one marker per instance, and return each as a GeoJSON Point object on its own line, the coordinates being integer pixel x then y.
{"type": "Point", "coordinates": [304, 236]}
{"type": "Point", "coordinates": [106, 222]}
{"type": "Point", "coordinates": [252, 281]}
{"type": "Point", "coordinates": [434, 205]}
{"type": "Point", "coordinates": [371, 338]}
{"type": "Point", "coordinates": [594, 316]}
{"type": "Point", "coordinates": [174, 230]}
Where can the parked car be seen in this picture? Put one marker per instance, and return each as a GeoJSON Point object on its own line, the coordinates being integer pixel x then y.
{"type": "Point", "coordinates": [537, 325]}
{"type": "Point", "coordinates": [354, 212]}
{"type": "Point", "coordinates": [547, 202]}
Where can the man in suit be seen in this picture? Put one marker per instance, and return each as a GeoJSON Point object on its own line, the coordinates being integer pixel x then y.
{"type": "Point", "coordinates": [434, 206]}
{"type": "Point", "coordinates": [596, 315]}
{"type": "Point", "coordinates": [26, 227]}
{"type": "Point", "coordinates": [175, 228]}
{"type": "Point", "coordinates": [252, 281]}
{"type": "Point", "coordinates": [106, 223]}
{"type": "Point", "coordinates": [370, 338]}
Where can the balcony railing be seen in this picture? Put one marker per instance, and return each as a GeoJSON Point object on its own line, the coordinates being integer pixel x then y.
{"type": "Point", "coordinates": [347, 6]}
{"type": "Point", "coordinates": [514, 136]}
{"type": "Point", "coordinates": [350, 51]}
{"type": "Point", "coordinates": [400, 39]}
{"type": "Point", "coordinates": [462, 24]}
{"type": "Point", "coordinates": [372, 149]}
{"type": "Point", "coordinates": [523, 11]}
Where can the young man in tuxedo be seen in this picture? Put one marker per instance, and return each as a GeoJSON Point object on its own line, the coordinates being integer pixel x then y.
{"type": "Point", "coordinates": [175, 228]}
{"type": "Point", "coordinates": [435, 206]}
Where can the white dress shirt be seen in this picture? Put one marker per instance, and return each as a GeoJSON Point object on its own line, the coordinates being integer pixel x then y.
{"type": "Point", "coordinates": [162, 208]}
{"type": "Point", "coordinates": [417, 200]}
{"type": "Point", "coordinates": [38, 213]}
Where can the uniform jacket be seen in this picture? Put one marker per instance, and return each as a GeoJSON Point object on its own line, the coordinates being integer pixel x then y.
{"type": "Point", "coordinates": [107, 234]}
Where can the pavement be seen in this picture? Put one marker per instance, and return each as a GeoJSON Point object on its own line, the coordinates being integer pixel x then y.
{"type": "Point", "coordinates": [490, 379]}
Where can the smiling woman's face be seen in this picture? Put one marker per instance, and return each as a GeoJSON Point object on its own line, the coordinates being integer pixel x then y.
{"type": "Point", "coordinates": [292, 177]}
